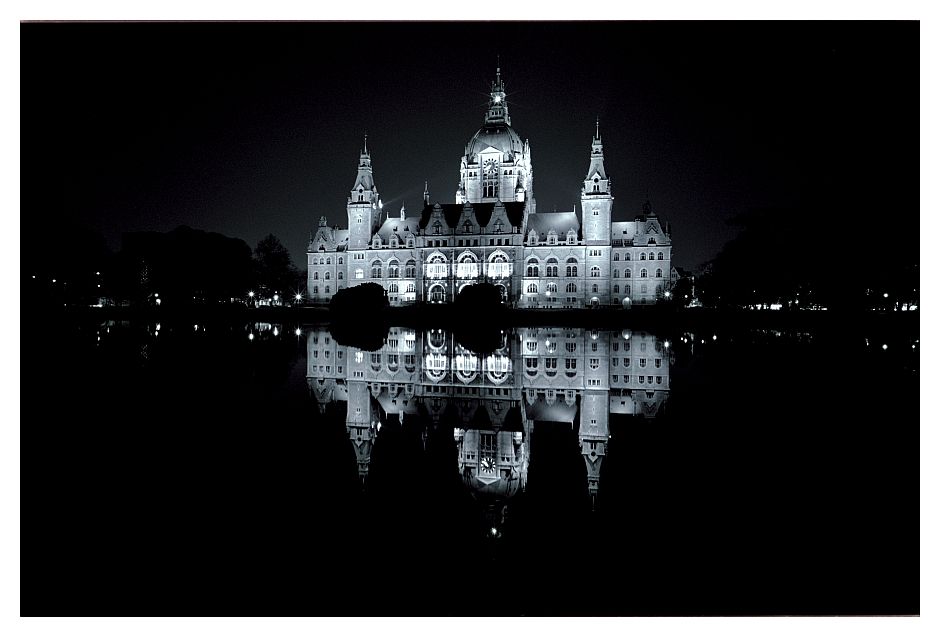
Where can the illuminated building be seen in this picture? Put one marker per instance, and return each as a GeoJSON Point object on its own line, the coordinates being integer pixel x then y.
{"type": "Point", "coordinates": [494, 233]}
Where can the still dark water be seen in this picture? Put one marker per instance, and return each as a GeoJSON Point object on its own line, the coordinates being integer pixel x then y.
{"type": "Point", "coordinates": [262, 469]}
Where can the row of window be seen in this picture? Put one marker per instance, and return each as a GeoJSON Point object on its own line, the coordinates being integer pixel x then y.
{"type": "Point", "coordinates": [392, 242]}
{"type": "Point", "coordinates": [643, 380]}
{"type": "Point", "coordinates": [652, 256]}
{"type": "Point", "coordinates": [326, 261]}
{"type": "Point", "coordinates": [644, 273]}
{"type": "Point", "coordinates": [552, 238]}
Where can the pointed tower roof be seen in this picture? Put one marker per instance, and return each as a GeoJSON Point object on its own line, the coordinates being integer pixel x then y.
{"type": "Point", "coordinates": [364, 176]}
{"type": "Point", "coordinates": [597, 154]}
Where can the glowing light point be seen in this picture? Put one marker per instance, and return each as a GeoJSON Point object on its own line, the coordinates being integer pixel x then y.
{"type": "Point", "coordinates": [886, 295]}
{"type": "Point", "coordinates": [275, 297]}
{"type": "Point", "coordinates": [251, 295]}
{"type": "Point", "coordinates": [714, 337]}
{"type": "Point", "coordinates": [275, 331]}
{"type": "Point", "coordinates": [251, 337]}
{"type": "Point", "coordinates": [885, 346]}
{"type": "Point", "coordinates": [298, 332]}
{"type": "Point", "coordinates": [53, 280]}
{"type": "Point", "coordinates": [666, 344]}
{"type": "Point", "coordinates": [493, 531]}
{"type": "Point", "coordinates": [297, 297]}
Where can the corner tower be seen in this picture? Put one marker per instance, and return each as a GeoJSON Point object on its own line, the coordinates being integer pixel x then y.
{"type": "Point", "coordinates": [596, 200]}
{"type": "Point", "coordinates": [363, 207]}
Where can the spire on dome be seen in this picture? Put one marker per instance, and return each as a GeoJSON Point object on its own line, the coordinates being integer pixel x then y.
{"type": "Point", "coordinates": [365, 144]}
{"type": "Point", "coordinates": [497, 111]}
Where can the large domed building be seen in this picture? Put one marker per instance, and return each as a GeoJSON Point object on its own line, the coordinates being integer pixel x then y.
{"type": "Point", "coordinates": [493, 232]}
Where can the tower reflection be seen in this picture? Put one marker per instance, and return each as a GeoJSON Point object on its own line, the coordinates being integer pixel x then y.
{"type": "Point", "coordinates": [568, 380]}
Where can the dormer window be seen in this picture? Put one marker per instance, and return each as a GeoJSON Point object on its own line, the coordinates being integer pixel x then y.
{"type": "Point", "coordinates": [498, 227]}
{"type": "Point", "coordinates": [437, 227]}
{"type": "Point", "coordinates": [467, 226]}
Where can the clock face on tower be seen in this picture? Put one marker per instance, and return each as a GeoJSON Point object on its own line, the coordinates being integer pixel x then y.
{"type": "Point", "coordinates": [487, 463]}
{"type": "Point", "coordinates": [489, 167]}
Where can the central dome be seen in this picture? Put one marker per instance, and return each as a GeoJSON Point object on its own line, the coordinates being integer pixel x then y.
{"type": "Point", "coordinates": [499, 136]}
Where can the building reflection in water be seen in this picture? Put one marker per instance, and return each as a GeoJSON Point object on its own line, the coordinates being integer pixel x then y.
{"type": "Point", "coordinates": [493, 402]}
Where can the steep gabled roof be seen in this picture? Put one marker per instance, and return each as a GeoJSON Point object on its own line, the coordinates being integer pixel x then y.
{"type": "Point", "coordinates": [560, 222]}
{"type": "Point", "coordinates": [481, 211]}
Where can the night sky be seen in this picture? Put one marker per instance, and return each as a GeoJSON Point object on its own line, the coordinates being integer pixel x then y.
{"type": "Point", "coordinates": [249, 129]}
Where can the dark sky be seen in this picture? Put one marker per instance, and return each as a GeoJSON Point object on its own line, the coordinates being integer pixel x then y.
{"type": "Point", "coordinates": [249, 129]}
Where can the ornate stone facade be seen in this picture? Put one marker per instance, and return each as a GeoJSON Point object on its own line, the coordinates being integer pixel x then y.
{"type": "Point", "coordinates": [493, 232]}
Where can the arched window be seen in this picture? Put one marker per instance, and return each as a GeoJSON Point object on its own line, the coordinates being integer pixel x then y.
{"type": "Point", "coordinates": [571, 287]}
{"type": "Point", "coordinates": [572, 237]}
{"type": "Point", "coordinates": [594, 288]}
{"type": "Point", "coordinates": [376, 269]}
{"type": "Point", "coordinates": [315, 290]}
{"type": "Point", "coordinates": [436, 293]}
{"type": "Point", "coordinates": [340, 260]}
{"type": "Point", "coordinates": [339, 275]}
{"type": "Point", "coordinates": [642, 256]}
{"type": "Point", "coordinates": [533, 237]}
{"type": "Point", "coordinates": [595, 272]}
{"type": "Point", "coordinates": [652, 256]}
{"type": "Point", "coordinates": [376, 241]}
{"type": "Point", "coordinates": [628, 273]}
{"type": "Point", "coordinates": [532, 267]}
{"type": "Point", "coordinates": [552, 288]}
{"type": "Point", "coordinates": [532, 288]}
{"type": "Point", "coordinates": [571, 267]}
{"type": "Point", "coordinates": [626, 257]}
{"type": "Point", "coordinates": [436, 227]}
{"type": "Point", "coordinates": [551, 267]}
{"type": "Point", "coordinates": [410, 269]}
{"type": "Point", "coordinates": [467, 266]}
{"type": "Point", "coordinates": [327, 291]}
{"type": "Point", "coordinates": [616, 273]}
{"type": "Point", "coordinates": [329, 260]}
{"type": "Point", "coordinates": [552, 238]}
{"type": "Point", "coordinates": [499, 266]}
{"type": "Point", "coordinates": [316, 276]}
{"type": "Point", "coordinates": [326, 276]}
{"type": "Point", "coordinates": [660, 256]}
{"type": "Point", "coordinates": [616, 289]}
{"type": "Point", "coordinates": [626, 290]}
{"type": "Point", "coordinates": [393, 288]}
{"type": "Point", "coordinates": [659, 273]}
{"type": "Point", "coordinates": [393, 269]}
{"type": "Point", "coordinates": [437, 267]}
{"type": "Point", "coordinates": [410, 288]}
{"type": "Point", "coordinates": [616, 256]}
{"type": "Point", "coordinates": [393, 241]}
{"type": "Point", "coordinates": [467, 226]}
{"type": "Point", "coordinates": [410, 241]}
{"type": "Point", "coordinates": [643, 274]}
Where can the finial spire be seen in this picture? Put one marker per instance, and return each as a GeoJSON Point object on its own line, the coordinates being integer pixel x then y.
{"type": "Point", "coordinates": [597, 129]}
{"type": "Point", "coordinates": [365, 143]}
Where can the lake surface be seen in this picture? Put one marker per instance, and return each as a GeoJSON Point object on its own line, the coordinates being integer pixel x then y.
{"type": "Point", "coordinates": [266, 469]}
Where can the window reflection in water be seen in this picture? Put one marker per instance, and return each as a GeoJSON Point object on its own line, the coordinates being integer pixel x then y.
{"type": "Point", "coordinates": [495, 402]}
